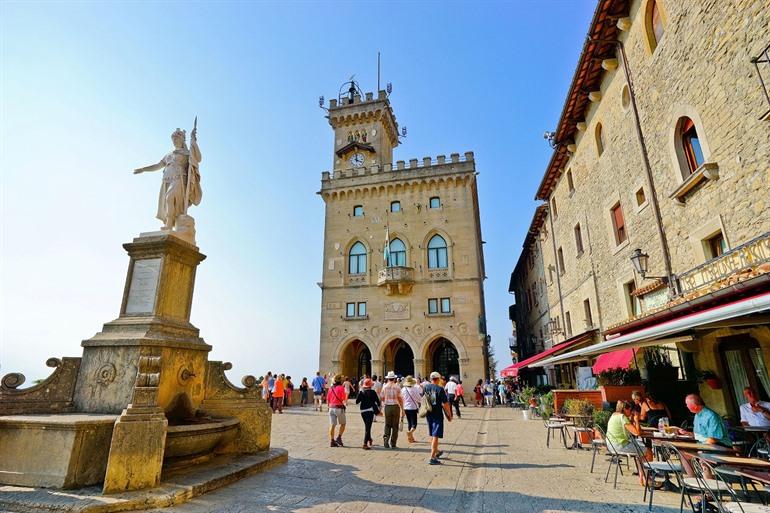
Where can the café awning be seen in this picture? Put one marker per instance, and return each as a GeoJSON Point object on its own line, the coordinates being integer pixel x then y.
{"type": "Point", "coordinates": [614, 360]}
{"type": "Point", "coordinates": [513, 370]}
{"type": "Point", "coordinates": [653, 334]}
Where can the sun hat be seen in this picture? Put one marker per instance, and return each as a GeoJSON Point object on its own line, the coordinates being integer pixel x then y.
{"type": "Point", "coordinates": [453, 378]}
{"type": "Point", "coordinates": [368, 383]}
{"type": "Point", "coordinates": [391, 375]}
{"type": "Point", "coordinates": [435, 375]}
{"type": "Point", "coordinates": [409, 381]}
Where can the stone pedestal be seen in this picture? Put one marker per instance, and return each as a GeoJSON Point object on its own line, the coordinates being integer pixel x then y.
{"type": "Point", "coordinates": [154, 321]}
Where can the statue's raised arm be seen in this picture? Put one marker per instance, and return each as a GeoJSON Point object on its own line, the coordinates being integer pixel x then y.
{"type": "Point", "coordinates": [181, 181]}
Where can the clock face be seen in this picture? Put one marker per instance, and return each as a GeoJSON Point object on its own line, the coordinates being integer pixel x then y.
{"type": "Point", "coordinates": [357, 160]}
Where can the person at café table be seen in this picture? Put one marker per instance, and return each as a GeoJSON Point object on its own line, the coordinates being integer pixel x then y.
{"type": "Point", "coordinates": [755, 412]}
{"type": "Point", "coordinates": [650, 409]}
{"type": "Point", "coordinates": [708, 428]}
{"type": "Point", "coordinates": [621, 423]}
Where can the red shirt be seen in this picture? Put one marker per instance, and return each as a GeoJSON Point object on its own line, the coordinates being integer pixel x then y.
{"type": "Point", "coordinates": [336, 397]}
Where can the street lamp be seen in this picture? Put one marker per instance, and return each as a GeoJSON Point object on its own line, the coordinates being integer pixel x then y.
{"type": "Point", "coordinates": [641, 265]}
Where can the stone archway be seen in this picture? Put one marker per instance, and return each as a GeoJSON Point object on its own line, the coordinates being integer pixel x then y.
{"type": "Point", "coordinates": [355, 360]}
{"type": "Point", "coordinates": [399, 357]}
{"type": "Point", "coordinates": [443, 357]}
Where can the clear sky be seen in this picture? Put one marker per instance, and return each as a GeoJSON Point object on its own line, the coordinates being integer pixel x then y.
{"type": "Point", "coordinates": [91, 90]}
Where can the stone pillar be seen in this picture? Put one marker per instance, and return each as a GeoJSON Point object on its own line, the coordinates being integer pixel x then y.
{"type": "Point", "coordinates": [139, 436]}
{"type": "Point", "coordinates": [377, 368]}
{"type": "Point", "coordinates": [419, 368]}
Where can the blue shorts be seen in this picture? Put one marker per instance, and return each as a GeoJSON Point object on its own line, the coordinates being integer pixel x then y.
{"type": "Point", "coordinates": [435, 426]}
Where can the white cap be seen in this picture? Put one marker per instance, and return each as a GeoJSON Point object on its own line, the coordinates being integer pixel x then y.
{"type": "Point", "coordinates": [435, 375]}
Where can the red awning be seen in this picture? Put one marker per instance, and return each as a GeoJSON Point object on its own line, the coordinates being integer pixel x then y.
{"type": "Point", "coordinates": [513, 370]}
{"type": "Point", "coordinates": [616, 359]}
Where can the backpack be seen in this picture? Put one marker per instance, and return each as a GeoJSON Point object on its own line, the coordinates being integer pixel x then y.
{"type": "Point", "coordinates": [426, 406]}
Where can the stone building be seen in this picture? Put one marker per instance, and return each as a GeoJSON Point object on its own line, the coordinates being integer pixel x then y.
{"type": "Point", "coordinates": [662, 152]}
{"type": "Point", "coordinates": [403, 264]}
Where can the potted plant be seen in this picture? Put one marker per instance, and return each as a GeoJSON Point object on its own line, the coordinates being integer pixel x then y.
{"type": "Point", "coordinates": [601, 418]}
{"type": "Point", "coordinates": [527, 397]}
{"type": "Point", "coordinates": [618, 383]}
{"type": "Point", "coordinates": [580, 407]}
{"type": "Point", "coordinates": [710, 378]}
{"type": "Point", "coordinates": [546, 405]}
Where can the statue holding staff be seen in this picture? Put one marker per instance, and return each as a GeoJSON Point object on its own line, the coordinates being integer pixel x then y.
{"type": "Point", "coordinates": [180, 187]}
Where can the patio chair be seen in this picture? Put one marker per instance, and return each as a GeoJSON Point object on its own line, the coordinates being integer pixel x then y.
{"type": "Point", "coordinates": [556, 425]}
{"type": "Point", "coordinates": [617, 453]}
{"type": "Point", "coordinates": [596, 445]}
{"type": "Point", "coordinates": [736, 505]}
{"type": "Point", "coordinates": [699, 483]}
{"type": "Point", "coordinates": [651, 470]}
{"type": "Point", "coordinates": [759, 449]}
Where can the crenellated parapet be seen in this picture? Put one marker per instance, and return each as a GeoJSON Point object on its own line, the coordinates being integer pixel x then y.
{"type": "Point", "coordinates": [355, 111]}
{"type": "Point", "coordinates": [52, 395]}
{"type": "Point", "coordinates": [415, 171]}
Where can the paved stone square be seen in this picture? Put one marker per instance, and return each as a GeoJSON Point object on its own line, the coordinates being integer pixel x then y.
{"type": "Point", "coordinates": [494, 462]}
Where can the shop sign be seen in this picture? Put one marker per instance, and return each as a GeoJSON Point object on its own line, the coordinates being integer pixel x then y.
{"type": "Point", "coordinates": [743, 257]}
{"type": "Point", "coordinates": [656, 298]}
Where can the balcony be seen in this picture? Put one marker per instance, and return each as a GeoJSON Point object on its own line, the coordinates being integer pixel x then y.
{"type": "Point", "coordinates": [397, 280]}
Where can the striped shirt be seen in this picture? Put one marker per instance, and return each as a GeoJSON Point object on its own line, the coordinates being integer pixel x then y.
{"type": "Point", "coordinates": [390, 394]}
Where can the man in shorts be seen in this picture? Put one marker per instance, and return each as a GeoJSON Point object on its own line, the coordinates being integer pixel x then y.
{"type": "Point", "coordinates": [318, 390]}
{"type": "Point", "coordinates": [439, 407]}
{"type": "Point", "coordinates": [336, 399]}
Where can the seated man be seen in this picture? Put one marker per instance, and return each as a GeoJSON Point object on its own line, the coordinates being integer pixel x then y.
{"type": "Point", "coordinates": [754, 412]}
{"type": "Point", "coordinates": [708, 428]}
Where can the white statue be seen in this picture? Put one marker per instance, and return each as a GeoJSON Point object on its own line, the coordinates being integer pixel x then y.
{"type": "Point", "coordinates": [177, 192]}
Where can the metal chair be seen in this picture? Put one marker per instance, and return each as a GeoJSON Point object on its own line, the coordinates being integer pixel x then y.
{"type": "Point", "coordinates": [554, 425]}
{"type": "Point", "coordinates": [699, 483]}
{"type": "Point", "coordinates": [651, 470]}
{"type": "Point", "coordinates": [596, 445]}
{"type": "Point", "coordinates": [616, 453]}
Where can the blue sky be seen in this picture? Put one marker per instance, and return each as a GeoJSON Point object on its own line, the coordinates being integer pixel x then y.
{"type": "Point", "coordinates": [89, 91]}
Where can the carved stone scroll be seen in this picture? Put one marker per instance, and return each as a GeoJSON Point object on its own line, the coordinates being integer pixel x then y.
{"type": "Point", "coordinates": [52, 395]}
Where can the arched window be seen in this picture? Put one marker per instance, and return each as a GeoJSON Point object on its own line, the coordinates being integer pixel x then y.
{"type": "Point", "coordinates": [599, 139]}
{"type": "Point", "coordinates": [397, 254]}
{"type": "Point", "coordinates": [691, 147]}
{"type": "Point", "coordinates": [654, 22]}
{"type": "Point", "coordinates": [357, 259]}
{"type": "Point", "coordinates": [437, 253]}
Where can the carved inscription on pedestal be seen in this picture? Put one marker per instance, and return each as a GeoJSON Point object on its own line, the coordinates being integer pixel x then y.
{"type": "Point", "coordinates": [397, 311]}
{"type": "Point", "coordinates": [144, 285]}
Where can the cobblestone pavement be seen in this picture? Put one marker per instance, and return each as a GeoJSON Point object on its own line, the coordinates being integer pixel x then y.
{"type": "Point", "coordinates": [494, 462]}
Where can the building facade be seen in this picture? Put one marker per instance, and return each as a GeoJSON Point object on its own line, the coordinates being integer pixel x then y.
{"type": "Point", "coordinates": [662, 153]}
{"type": "Point", "coordinates": [403, 265]}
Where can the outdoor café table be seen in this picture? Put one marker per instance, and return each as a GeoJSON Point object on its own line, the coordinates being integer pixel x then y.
{"type": "Point", "coordinates": [577, 419]}
{"type": "Point", "coordinates": [699, 447]}
{"type": "Point", "coordinates": [734, 461]}
{"type": "Point", "coordinates": [756, 475]}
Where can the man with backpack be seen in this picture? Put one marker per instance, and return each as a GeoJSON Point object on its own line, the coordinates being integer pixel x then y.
{"type": "Point", "coordinates": [437, 405]}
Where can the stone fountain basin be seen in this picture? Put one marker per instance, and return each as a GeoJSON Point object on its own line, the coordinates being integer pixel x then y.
{"type": "Point", "coordinates": [187, 440]}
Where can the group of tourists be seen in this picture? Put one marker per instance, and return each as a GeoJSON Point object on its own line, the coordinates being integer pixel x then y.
{"type": "Point", "coordinates": [487, 393]}
{"type": "Point", "coordinates": [277, 390]}
{"type": "Point", "coordinates": [396, 400]}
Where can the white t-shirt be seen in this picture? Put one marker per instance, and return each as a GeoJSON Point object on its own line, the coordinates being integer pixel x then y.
{"type": "Point", "coordinates": [411, 396]}
{"type": "Point", "coordinates": [450, 387]}
{"type": "Point", "coordinates": [755, 419]}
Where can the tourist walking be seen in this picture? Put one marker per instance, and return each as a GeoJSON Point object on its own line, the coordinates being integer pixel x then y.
{"type": "Point", "coordinates": [266, 387]}
{"type": "Point", "coordinates": [318, 390]}
{"type": "Point", "coordinates": [393, 407]}
{"type": "Point", "coordinates": [411, 395]}
{"type": "Point", "coordinates": [501, 392]}
{"type": "Point", "coordinates": [451, 392]}
{"type": "Point", "coordinates": [436, 395]}
{"type": "Point", "coordinates": [461, 394]}
{"type": "Point", "coordinates": [369, 404]}
{"type": "Point", "coordinates": [478, 390]}
{"type": "Point", "coordinates": [489, 398]}
{"type": "Point", "coordinates": [288, 391]}
{"type": "Point", "coordinates": [303, 388]}
{"type": "Point", "coordinates": [348, 387]}
{"type": "Point", "coordinates": [336, 399]}
{"type": "Point", "coordinates": [278, 393]}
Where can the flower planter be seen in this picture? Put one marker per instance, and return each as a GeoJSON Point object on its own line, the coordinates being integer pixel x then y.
{"type": "Point", "coordinates": [714, 383]}
{"type": "Point", "coordinates": [585, 437]}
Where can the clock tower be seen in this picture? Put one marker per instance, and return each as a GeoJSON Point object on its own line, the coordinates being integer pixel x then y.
{"type": "Point", "coordinates": [365, 129]}
{"type": "Point", "coordinates": [403, 264]}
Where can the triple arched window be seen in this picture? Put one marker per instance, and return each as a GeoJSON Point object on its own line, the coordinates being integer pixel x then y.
{"type": "Point", "coordinates": [357, 259]}
{"type": "Point", "coordinates": [437, 253]}
{"type": "Point", "coordinates": [396, 256]}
